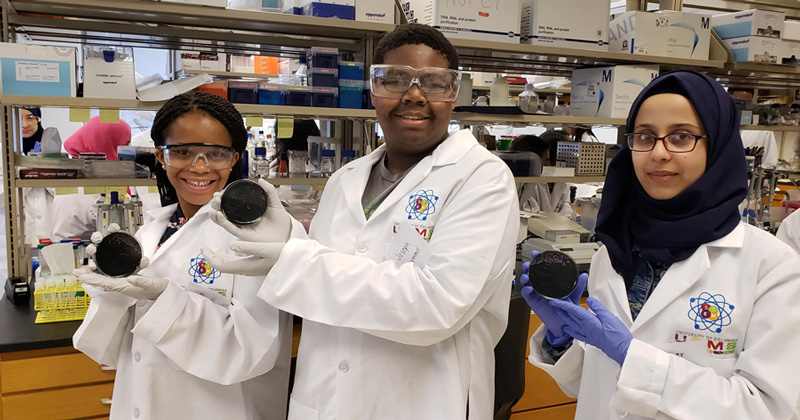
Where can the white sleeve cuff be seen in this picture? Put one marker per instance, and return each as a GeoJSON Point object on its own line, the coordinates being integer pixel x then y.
{"type": "Point", "coordinates": [567, 371]}
{"type": "Point", "coordinates": [641, 380]}
{"type": "Point", "coordinates": [160, 317]}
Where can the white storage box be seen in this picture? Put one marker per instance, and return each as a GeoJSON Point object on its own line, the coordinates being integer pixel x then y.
{"type": "Point", "coordinates": [666, 34]}
{"type": "Point", "coordinates": [35, 70]}
{"type": "Point", "coordinates": [608, 92]}
{"type": "Point", "coordinates": [759, 49]}
{"type": "Point", "coordinates": [190, 60]}
{"type": "Point", "coordinates": [495, 20]}
{"type": "Point", "coordinates": [585, 25]}
{"type": "Point", "coordinates": [789, 52]}
{"type": "Point", "coordinates": [379, 11]}
{"type": "Point", "coordinates": [108, 77]}
{"type": "Point", "coordinates": [791, 30]}
{"type": "Point", "coordinates": [213, 62]}
{"type": "Point", "coordinates": [747, 23]}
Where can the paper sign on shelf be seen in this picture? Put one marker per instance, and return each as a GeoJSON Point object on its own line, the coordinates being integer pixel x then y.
{"type": "Point", "coordinates": [66, 190]}
{"type": "Point", "coordinates": [285, 127]}
{"type": "Point", "coordinates": [251, 121]}
{"type": "Point", "coordinates": [109, 116]}
{"type": "Point", "coordinates": [94, 190]}
{"type": "Point", "coordinates": [79, 115]}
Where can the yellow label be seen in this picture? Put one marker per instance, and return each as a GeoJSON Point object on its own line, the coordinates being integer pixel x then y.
{"type": "Point", "coordinates": [94, 190]}
{"type": "Point", "coordinates": [285, 128]}
{"type": "Point", "coordinates": [254, 121]}
{"type": "Point", "coordinates": [152, 189]}
{"type": "Point", "coordinates": [79, 115]}
{"type": "Point", "coordinates": [66, 190]}
{"type": "Point", "coordinates": [120, 190]}
{"type": "Point", "coordinates": [109, 116]}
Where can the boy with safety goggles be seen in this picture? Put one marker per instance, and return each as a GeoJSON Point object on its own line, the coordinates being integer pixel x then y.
{"type": "Point", "coordinates": [404, 285]}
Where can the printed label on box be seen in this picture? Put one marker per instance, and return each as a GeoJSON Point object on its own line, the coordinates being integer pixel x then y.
{"type": "Point", "coordinates": [37, 71]}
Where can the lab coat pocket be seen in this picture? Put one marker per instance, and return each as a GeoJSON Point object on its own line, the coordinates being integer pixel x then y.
{"type": "Point", "coordinates": [298, 411]}
{"type": "Point", "coordinates": [723, 367]}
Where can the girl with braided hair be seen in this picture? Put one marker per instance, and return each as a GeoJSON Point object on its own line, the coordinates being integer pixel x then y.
{"type": "Point", "coordinates": [188, 341]}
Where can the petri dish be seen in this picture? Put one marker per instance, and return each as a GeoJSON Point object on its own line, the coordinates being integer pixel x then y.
{"type": "Point", "coordinates": [119, 254]}
{"type": "Point", "coordinates": [243, 202]}
{"type": "Point", "coordinates": [553, 274]}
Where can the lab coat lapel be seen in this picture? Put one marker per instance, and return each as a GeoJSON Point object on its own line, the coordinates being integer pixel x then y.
{"type": "Point", "coordinates": [354, 181]}
{"type": "Point", "coordinates": [151, 232]}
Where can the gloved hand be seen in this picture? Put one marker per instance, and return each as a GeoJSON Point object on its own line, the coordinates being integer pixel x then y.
{"type": "Point", "coordinates": [262, 256]}
{"type": "Point", "coordinates": [555, 336]}
{"type": "Point", "coordinates": [601, 329]}
{"type": "Point", "coordinates": [97, 237]}
{"type": "Point", "coordinates": [275, 226]}
{"type": "Point", "coordinates": [137, 287]}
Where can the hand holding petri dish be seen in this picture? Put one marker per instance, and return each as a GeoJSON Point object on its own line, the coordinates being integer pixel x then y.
{"type": "Point", "coordinates": [553, 274]}
{"type": "Point", "coordinates": [243, 202]}
{"type": "Point", "coordinates": [119, 254]}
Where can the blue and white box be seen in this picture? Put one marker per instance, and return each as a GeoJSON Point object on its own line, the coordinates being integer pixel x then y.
{"type": "Point", "coordinates": [757, 49]}
{"type": "Point", "coordinates": [749, 22]}
{"type": "Point", "coordinates": [338, 9]}
{"type": "Point", "coordinates": [37, 70]}
{"type": "Point", "coordinates": [608, 92]}
{"type": "Point", "coordinates": [665, 33]}
{"type": "Point", "coordinates": [585, 26]}
{"type": "Point", "coordinates": [489, 20]}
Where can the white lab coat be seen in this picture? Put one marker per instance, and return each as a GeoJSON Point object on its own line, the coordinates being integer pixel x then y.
{"type": "Point", "coordinates": [74, 215]}
{"type": "Point", "coordinates": [38, 207]}
{"type": "Point", "coordinates": [538, 198]}
{"type": "Point", "coordinates": [789, 231]}
{"type": "Point", "coordinates": [191, 353]}
{"type": "Point", "coordinates": [675, 370]}
{"type": "Point", "coordinates": [389, 340]}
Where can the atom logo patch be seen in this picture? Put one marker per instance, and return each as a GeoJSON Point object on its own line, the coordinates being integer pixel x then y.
{"type": "Point", "coordinates": [421, 205]}
{"type": "Point", "coordinates": [710, 312]}
{"type": "Point", "coordinates": [202, 271]}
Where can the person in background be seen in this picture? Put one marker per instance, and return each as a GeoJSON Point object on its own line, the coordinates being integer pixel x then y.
{"type": "Point", "coordinates": [31, 129]}
{"type": "Point", "coordinates": [552, 137]}
{"type": "Point", "coordinates": [38, 202]}
{"type": "Point", "coordinates": [789, 230]}
{"type": "Point", "coordinates": [188, 341]}
{"type": "Point", "coordinates": [404, 285]}
{"type": "Point", "coordinates": [74, 214]}
{"type": "Point", "coordinates": [683, 295]}
{"type": "Point", "coordinates": [541, 197]}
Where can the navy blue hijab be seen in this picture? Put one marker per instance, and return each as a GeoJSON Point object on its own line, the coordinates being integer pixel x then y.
{"type": "Point", "coordinates": [667, 231]}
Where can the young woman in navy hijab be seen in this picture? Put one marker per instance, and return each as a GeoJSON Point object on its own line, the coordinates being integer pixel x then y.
{"type": "Point", "coordinates": [693, 314]}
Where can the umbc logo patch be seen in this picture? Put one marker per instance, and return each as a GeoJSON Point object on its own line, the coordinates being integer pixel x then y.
{"type": "Point", "coordinates": [201, 271]}
{"type": "Point", "coordinates": [421, 205]}
{"type": "Point", "coordinates": [710, 312]}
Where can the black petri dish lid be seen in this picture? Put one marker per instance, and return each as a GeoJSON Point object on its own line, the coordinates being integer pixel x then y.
{"type": "Point", "coordinates": [243, 202]}
{"type": "Point", "coordinates": [118, 255]}
{"type": "Point", "coordinates": [553, 274]}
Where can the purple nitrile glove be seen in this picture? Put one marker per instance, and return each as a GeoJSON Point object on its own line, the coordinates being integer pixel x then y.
{"type": "Point", "coordinates": [601, 329]}
{"type": "Point", "coordinates": [555, 334]}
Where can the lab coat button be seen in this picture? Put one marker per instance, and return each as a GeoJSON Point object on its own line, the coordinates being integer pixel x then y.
{"type": "Point", "coordinates": [137, 356]}
{"type": "Point", "coordinates": [344, 367]}
{"type": "Point", "coordinates": [136, 413]}
{"type": "Point", "coordinates": [623, 414]}
{"type": "Point", "coordinates": [362, 247]}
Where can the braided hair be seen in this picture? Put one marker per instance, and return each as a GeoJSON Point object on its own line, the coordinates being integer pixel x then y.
{"type": "Point", "coordinates": [215, 106]}
{"type": "Point", "coordinates": [415, 34]}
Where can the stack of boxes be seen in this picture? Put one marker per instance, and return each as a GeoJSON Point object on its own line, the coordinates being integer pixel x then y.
{"type": "Point", "coordinates": [488, 20]}
{"type": "Point", "coordinates": [323, 76]}
{"type": "Point", "coordinates": [665, 33]}
{"type": "Point", "coordinates": [752, 35]}
{"type": "Point", "coordinates": [351, 84]}
{"type": "Point", "coordinates": [608, 92]}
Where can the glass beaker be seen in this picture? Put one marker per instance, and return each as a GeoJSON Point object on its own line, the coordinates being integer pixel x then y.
{"type": "Point", "coordinates": [298, 159]}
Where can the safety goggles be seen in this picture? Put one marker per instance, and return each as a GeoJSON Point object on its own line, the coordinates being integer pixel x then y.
{"type": "Point", "coordinates": [393, 81]}
{"type": "Point", "coordinates": [184, 155]}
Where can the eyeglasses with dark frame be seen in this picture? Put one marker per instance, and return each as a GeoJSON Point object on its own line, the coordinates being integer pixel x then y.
{"type": "Point", "coordinates": [674, 143]}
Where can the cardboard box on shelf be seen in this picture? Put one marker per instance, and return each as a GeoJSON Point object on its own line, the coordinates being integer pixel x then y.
{"type": "Point", "coordinates": [338, 9]}
{"type": "Point", "coordinates": [759, 49]}
{"type": "Point", "coordinates": [379, 11]}
{"type": "Point", "coordinates": [748, 22]}
{"type": "Point", "coordinates": [489, 20]}
{"type": "Point", "coordinates": [608, 92]}
{"type": "Point", "coordinates": [543, 22]}
{"type": "Point", "coordinates": [214, 61]}
{"type": "Point", "coordinates": [37, 70]}
{"type": "Point", "coordinates": [664, 33]}
{"type": "Point", "coordinates": [789, 52]}
{"type": "Point", "coordinates": [791, 30]}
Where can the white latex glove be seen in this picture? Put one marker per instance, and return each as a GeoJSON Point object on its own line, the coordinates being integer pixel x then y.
{"type": "Point", "coordinates": [262, 256]}
{"type": "Point", "coordinates": [275, 226]}
{"type": "Point", "coordinates": [137, 287]}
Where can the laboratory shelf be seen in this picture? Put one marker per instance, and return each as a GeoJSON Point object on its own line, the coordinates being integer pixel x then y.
{"type": "Point", "coordinates": [788, 128]}
{"type": "Point", "coordinates": [470, 117]}
{"type": "Point", "coordinates": [572, 179]}
{"type": "Point", "coordinates": [231, 74]}
{"type": "Point", "coordinates": [87, 182]}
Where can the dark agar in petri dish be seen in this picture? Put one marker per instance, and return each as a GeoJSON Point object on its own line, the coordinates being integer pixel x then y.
{"type": "Point", "coordinates": [553, 274]}
{"type": "Point", "coordinates": [118, 255]}
{"type": "Point", "coordinates": [243, 202]}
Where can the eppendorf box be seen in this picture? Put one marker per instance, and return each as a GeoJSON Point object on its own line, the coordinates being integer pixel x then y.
{"type": "Point", "coordinates": [585, 26]}
{"type": "Point", "coordinates": [608, 92]}
{"type": "Point", "coordinates": [486, 20]}
{"type": "Point", "coordinates": [759, 49]}
{"type": "Point", "coordinates": [749, 22]}
{"type": "Point", "coordinates": [665, 33]}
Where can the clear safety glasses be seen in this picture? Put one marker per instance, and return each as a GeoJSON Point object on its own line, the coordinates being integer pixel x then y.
{"type": "Point", "coordinates": [181, 156]}
{"type": "Point", "coordinates": [675, 143]}
{"type": "Point", "coordinates": [393, 81]}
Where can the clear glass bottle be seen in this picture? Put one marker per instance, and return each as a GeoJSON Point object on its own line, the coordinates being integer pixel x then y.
{"type": "Point", "coordinates": [529, 100]}
{"type": "Point", "coordinates": [261, 139]}
{"type": "Point", "coordinates": [261, 164]}
{"type": "Point", "coordinates": [348, 156]}
{"type": "Point", "coordinates": [327, 164]}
